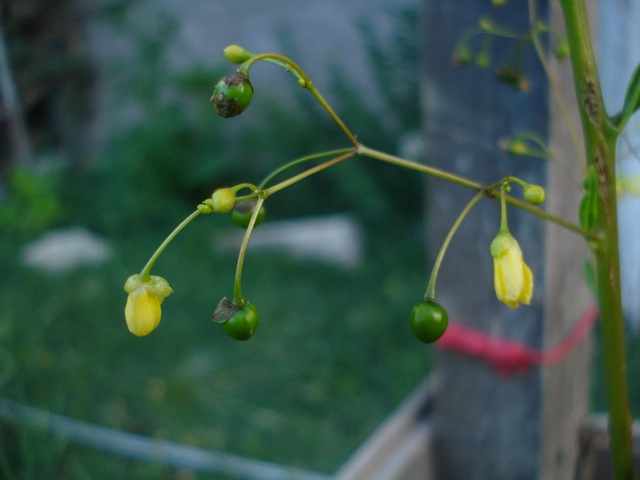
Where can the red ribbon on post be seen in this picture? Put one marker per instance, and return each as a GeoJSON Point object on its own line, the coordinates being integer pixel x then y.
{"type": "Point", "coordinates": [506, 356]}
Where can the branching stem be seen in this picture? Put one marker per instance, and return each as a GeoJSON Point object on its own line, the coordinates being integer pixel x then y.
{"type": "Point", "coordinates": [304, 81]}
{"type": "Point", "coordinates": [600, 135]}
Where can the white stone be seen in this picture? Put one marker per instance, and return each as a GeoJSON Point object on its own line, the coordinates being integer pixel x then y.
{"type": "Point", "coordinates": [66, 249]}
{"type": "Point", "coordinates": [334, 239]}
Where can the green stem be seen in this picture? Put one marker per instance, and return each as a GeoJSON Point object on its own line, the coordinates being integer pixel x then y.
{"type": "Point", "coordinates": [241, 186]}
{"type": "Point", "coordinates": [296, 178]}
{"type": "Point", "coordinates": [238, 298]}
{"type": "Point", "coordinates": [504, 224]}
{"type": "Point", "coordinates": [430, 294]}
{"type": "Point", "coordinates": [146, 271]}
{"type": "Point", "coordinates": [298, 161]}
{"type": "Point", "coordinates": [304, 81]}
{"type": "Point", "coordinates": [465, 182]}
{"type": "Point", "coordinates": [434, 172]}
{"type": "Point", "coordinates": [600, 147]}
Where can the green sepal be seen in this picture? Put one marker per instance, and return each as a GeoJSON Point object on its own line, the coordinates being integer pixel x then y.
{"type": "Point", "coordinates": [589, 203]}
{"type": "Point", "coordinates": [501, 243]}
{"type": "Point", "coordinates": [154, 284]}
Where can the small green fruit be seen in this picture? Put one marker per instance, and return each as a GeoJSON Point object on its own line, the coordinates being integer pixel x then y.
{"type": "Point", "coordinates": [232, 95]}
{"type": "Point", "coordinates": [243, 211]}
{"type": "Point", "coordinates": [428, 321]}
{"type": "Point", "coordinates": [243, 323]}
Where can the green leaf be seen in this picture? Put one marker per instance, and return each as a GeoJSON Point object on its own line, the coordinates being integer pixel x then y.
{"type": "Point", "coordinates": [589, 203]}
{"type": "Point", "coordinates": [631, 99]}
{"type": "Point", "coordinates": [589, 272]}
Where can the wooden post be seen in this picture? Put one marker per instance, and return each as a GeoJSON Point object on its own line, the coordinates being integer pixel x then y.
{"type": "Point", "coordinates": [487, 426]}
{"type": "Point", "coordinates": [565, 385]}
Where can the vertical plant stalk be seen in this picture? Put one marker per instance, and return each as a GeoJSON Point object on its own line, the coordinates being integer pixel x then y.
{"type": "Point", "coordinates": [600, 148]}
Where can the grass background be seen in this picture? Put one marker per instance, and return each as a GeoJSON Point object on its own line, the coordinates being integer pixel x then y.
{"type": "Point", "coordinates": [333, 355]}
{"type": "Point", "coordinates": [331, 359]}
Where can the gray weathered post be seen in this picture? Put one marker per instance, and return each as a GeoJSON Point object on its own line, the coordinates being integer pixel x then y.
{"type": "Point", "coordinates": [523, 426]}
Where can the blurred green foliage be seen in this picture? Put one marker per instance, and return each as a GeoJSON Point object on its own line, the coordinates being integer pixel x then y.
{"type": "Point", "coordinates": [316, 379]}
{"type": "Point", "coordinates": [297, 393]}
{"type": "Point", "coordinates": [180, 150]}
{"type": "Point", "coordinates": [31, 204]}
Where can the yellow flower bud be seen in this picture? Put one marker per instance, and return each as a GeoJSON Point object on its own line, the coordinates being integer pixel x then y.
{"type": "Point", "coordinates": [223, 200]}
{"type": "Point", "coordinates": [236, 54]}
{"type": "Point", "coordinates": [534, 194]}
{"type": "Point", "coordinates": [512, 278]}
{"type": "Point", "coordinates": [143, 311]}
{"type": "Point", "coordinates": [518, 148]}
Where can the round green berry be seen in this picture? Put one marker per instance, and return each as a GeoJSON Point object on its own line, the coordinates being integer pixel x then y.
{"type": "Point", "coordinates": [232, 95]}
{"type": "Point", "coordinates": [243, 323]}
{"type": "Point", "coordinates": [243, 212]}
{"type": "Point", "coordinates": [428, 321]}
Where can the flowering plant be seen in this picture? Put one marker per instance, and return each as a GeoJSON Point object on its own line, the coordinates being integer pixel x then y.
{"type": "Point", "coordinates": [513, 280]}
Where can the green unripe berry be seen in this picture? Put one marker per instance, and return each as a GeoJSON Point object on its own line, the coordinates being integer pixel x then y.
{"type": "Point", "coordinates": [243, 323]}
{"type": "Point", "coordinates": [534, 194]}
{"type": "Point", "coordinates": [428, 321]}
{"type": "Point", "coordinates": [223, 200]}
{"type": "Point", "coordinates": [243, 211]}
{"type": "Point", "coordinates": [232, 95]}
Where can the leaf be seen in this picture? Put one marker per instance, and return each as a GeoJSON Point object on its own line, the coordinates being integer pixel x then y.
{"type": "Point", "coordinates": [631, 99]}
{"type": "Point", "coordinates": [589, 203]}
{"type": "Point", "coordinates": [589, 272]}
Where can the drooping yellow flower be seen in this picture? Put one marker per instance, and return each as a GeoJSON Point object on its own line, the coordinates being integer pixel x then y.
{"type": "Point", "coordinates": [143, 311]}
{"type": "Point", "coordinates": [511, 276]}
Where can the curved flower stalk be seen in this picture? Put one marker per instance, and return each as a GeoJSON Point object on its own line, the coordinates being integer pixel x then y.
{"type": "Point", "coordinates": [512, 278]}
